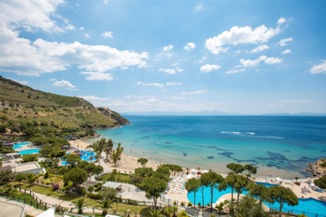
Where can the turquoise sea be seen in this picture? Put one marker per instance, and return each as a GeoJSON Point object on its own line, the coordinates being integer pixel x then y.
{"type": "Point", "coordinates": [278, 145]}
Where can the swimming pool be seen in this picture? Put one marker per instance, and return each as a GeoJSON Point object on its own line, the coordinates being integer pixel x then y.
{"type": "Point", "coordinates": [20, 145]}
{"type": "Point", "coordinates": [29, 151]}
{"type": "Point", "coordinates": [309, 206]}
{"type": "Point", "coordinates": [89, 156]}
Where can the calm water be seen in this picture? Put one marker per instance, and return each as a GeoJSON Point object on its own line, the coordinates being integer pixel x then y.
{"type": "Point", "coordinates": [279, 146]}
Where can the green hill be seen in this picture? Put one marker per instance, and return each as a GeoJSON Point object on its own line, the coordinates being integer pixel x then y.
{"type": "Point", "coordinates": [28, 112]}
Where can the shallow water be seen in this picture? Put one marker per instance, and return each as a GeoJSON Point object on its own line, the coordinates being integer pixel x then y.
{"type": "Point", "coordinates": [279, 146]}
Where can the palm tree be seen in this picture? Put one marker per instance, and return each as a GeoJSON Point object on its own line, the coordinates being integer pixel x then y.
{"type": "Point", "coordinates": [105, 205]}
{"type": "Point", "coordinates": [174, 211]}
{"type": "Point", "coordinates": [79, 204]}
{"type": "Point", "coordinates": [168, 210]}
{"type": "Point", "coordinates": [192, 185]}
{"type": "Point", "coordinates": [156, 213]}
{"type": "Point", "coordinates": [108, 149]}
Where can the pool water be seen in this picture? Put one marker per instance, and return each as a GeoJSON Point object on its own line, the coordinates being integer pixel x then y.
{"type": "Point", "coordinates": [29, 151]}
{"type": "Point", "coordinates": [89, 156]}
{"type": "Point", "coordinates": [20, 145]}
{"type": "Point", "coordinates": [309, 206]}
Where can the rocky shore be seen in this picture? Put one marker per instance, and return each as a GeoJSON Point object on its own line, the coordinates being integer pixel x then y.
{"type": "Point", "coordinates": [317, 168]}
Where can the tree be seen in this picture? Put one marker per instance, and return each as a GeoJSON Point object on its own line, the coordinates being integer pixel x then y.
{"type": "Point", "coordinates": [229, 181]}
{"type": "Point", "coordinates": [321, 182]}
{"type": "Point", "coordinates": [241, 182]}
{"type": "Point", "coordinates": [116, 154]}
{"type": "Point", "coordinates": [168, 210]}
{"type": "Point", "coordinates": [248, 208]}
{"type": "Point", "coordinates": [72, 159]}
{"type": "Point", "coordinates": [29, 158]}
{"type": "Point", "coordinates": [153, 187]}
{"type": "Point", "coordinates": [108, 149]}
{"type": "Point", "coordinates": [142, 161]}
{"type": "Point", "coordinates": [209, 180]}
{"type": "Point", "coordinates": [5, 176]}
{"type": "Point", "coordinates": [31, 178]}
{"type": "Point", "coordinates": [192, 185]}
{"type": "Point", "coordinates": [250, 169]}
{"type": "Point", "coordinates": [76, 175]}
{"type": "Point", "coordinates": [259, 191]}
{"type": "Point", "coordinates": [156, 213]}
{"type": "Point", "coordinates": [109, 195]}
{"type": "Point", "coordinates": [283, 195]}
{"type": "Point", "coordinates": [79, 204]}
{"type": "Point", "coordinates": [236, 168]}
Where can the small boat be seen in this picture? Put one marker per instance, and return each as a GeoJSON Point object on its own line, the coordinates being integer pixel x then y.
{"type": "Point", "coordinates": [184, 153]}
{"type": "Point", "coordinates": [210, 157]}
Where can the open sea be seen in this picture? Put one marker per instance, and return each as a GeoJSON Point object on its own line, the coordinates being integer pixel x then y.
{"type": "Point", "coordinates": [279, 145]}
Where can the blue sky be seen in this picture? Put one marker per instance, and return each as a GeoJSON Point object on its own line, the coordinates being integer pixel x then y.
{"type": "Point", "coordinates": [242, 56]}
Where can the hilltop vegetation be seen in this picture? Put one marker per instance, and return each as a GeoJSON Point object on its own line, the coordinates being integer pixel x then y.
{"type": "Point", "coordinates": [33, 113]}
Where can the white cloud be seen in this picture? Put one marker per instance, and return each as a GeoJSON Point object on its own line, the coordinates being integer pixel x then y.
{"type": "Point", "coordinates": [284, 41]}
{"type": "Point", "coordinates": [260, 48]}
{"type": "Point", "coordinates": [273, 60]}
{"type": "Point", "coordinates": [287, 51]}
{"type": "Point", "coordinates": [97, 76]}
{"type": "Point", "coordinates": [209, 68]}
{"type": "Point", "coordinates": [81, 28]}
{"type": "Point", "coordinates": [106, 2]}
{"type": "Point", "coordinates": [107, 35]}
{"type": "Point", "coordinates": [235, 70]}
{"type": "Point", "coordinates": [171, 71]}
{"type": "Point", "coordinates": [160, 85]}
{"type": "Point", "coordinates": [281, 20]}
{"type": "Point", "coordinates": [64, 83]}
{"type": "Point", "coordinates": [168, 48]}
{"type": "Point", "coordinates": [86, 35]}
{"type": "Point", "coordinates": [189, 46]}
{"type": "Point", "coordinates": [95, 61]}
{"type": "Point", "coordinates": [320, 68]}
{"type": "Point", "coordinates": [267, 60]}
{"type": "Point", "coordinates": [240, 35]}
{"type": "Point", "coordinates": [194, 92]}
{"type": "Point", "coordinates": [30, 15]}
{"type": "Point", "coordinates": [93, 98]}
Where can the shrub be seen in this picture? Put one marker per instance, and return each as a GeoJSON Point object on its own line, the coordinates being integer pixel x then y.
{"type": "Point", "coordinates": [189, 204]}
{"type": "Point", "coordinates": [182, 203]}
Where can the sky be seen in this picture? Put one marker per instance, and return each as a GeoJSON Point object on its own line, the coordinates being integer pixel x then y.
{"type": "Point", "coordinates": [241, 56]}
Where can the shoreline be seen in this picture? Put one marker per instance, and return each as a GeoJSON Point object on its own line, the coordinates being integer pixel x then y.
{"type": "Point", "coordinates": [128, 164]}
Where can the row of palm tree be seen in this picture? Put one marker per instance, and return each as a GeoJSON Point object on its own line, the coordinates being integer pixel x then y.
{"type": "Point", "coordinates": [237, 182]}
{"type": "Point", "coordinates": [105, 203]}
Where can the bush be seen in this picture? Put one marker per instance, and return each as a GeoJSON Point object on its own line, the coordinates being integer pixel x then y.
{"type": "Point", "coordinates": [182, 203]}
{"type": "Point", "coordinates": [95, 196]}
{"type": "Point", "coordinates": [189, 204]}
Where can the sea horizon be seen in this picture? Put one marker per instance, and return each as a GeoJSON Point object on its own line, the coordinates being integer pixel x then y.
{"type": "Point", "coordinates": [278, 145]}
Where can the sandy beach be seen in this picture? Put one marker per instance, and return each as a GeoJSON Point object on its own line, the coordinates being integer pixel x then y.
{"type": "Point", "coordinates": [129, 163]}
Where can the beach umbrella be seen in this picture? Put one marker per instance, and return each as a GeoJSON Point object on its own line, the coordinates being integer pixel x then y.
{"type": "Point", "coordinates": [278, 179]}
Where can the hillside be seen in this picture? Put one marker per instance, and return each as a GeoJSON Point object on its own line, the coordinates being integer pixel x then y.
{"type": "Point", "coordinates": [25, 111]}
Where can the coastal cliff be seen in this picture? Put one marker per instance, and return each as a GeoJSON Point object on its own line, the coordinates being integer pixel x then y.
{"type": "Point", "coordinates": [28, 112]}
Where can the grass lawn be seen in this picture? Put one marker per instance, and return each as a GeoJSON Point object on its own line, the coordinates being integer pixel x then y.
{"type": "Point", "coordinates": [115, 177]}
